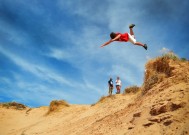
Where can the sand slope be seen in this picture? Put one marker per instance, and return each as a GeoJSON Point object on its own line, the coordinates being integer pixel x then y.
{"type": "Point", "coordinates": [163, 110]}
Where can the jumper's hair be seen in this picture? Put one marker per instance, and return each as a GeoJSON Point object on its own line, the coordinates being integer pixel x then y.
{"type": "Point", "coordinates": [112, 35]}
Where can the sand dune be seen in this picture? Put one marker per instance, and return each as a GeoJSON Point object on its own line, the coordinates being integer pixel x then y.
{"type": "Point", "coordinates": [159, 108]}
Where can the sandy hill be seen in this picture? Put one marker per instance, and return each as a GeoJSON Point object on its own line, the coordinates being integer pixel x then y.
{"type": "Point", "coordinates": [159, 107]}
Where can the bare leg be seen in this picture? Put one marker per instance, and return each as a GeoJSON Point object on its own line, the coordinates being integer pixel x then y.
{"type": "Point", "coordinates": [134, 40]}
{"type": "Point", "coordinates": [139, 44]}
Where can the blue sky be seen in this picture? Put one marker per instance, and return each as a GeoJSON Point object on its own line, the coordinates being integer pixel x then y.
{"type": "Point", "coordinates": [51, 49]}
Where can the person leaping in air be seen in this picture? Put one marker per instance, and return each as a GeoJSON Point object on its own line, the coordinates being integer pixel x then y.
{"type": "Point", "coordinates": [125, 37]}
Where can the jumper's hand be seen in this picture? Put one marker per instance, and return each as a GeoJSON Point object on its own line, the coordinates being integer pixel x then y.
{"type": "Point", "coordinates": [101, 46]}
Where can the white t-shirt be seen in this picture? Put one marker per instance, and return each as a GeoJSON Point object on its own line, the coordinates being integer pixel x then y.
{"type": "Point", "coordinates": [118, 82]}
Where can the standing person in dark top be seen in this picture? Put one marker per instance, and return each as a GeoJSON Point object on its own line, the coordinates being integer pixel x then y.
{"type": "Point", "coordinates": [111, 86]}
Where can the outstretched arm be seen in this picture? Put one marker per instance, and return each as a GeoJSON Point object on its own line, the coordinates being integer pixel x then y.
{"type": "Point", "coordinates": [111, 40]}
{"type": "Point", "coordinates": [106, 43]}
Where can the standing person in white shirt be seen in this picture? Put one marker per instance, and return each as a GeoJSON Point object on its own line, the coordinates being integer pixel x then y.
{"type": "Point", "coordinates": [118, 85]}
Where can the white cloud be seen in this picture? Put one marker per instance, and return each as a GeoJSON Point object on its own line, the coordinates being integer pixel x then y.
{"type": "Point", "coordinates": [148, 57]}
{"type": "Point", "coordinates": [164, 50]}
{"type": "Point", "coordinates": [59, 54]}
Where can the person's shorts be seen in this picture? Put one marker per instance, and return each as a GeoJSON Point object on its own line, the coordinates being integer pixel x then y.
{"type": "Point", "coordinates": [118, 86]}
{"type": "Point", "coordinates": [132, 39]}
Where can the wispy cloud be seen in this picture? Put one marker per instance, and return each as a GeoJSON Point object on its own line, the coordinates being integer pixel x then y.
{"type": "Point", "coordinates": [126, 75]}
{"type": "Point", "coordinates": [5, 80]}
{"type": "Point", "coordinates": [44, 73]}
{"type": "Point", "coordinates": [59, 54]}
{"type": "Point", "coordinates": [35, 69]}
